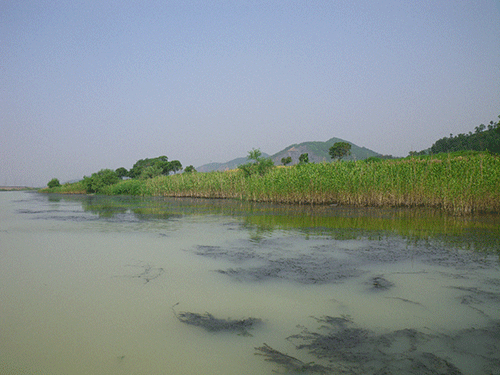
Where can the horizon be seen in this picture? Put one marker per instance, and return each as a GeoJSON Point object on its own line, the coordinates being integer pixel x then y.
{"type": "Point", "coordinates": [93, 85]}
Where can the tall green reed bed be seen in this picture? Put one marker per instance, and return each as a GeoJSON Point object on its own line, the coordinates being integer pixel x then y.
{"type": "Point", "coordinates": [460, 184]}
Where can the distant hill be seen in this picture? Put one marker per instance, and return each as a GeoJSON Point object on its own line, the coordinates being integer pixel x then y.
{"type": "Point", "coordinates": [232, 164]}
{"type": "Point", "coordinates": [318, 152]}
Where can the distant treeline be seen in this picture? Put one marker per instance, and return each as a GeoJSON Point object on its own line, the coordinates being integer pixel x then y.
{"type": "Point", "coordinates": [484, 138]}
{"type": "Point", "coordinates": [141, 170]}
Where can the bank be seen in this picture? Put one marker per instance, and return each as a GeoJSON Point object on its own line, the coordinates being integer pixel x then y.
{"type": "Point", "coordinates": [460, 183]}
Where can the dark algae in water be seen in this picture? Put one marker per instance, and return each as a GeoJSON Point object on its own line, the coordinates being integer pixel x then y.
{"type": "Point", "coordinates": [143, 271]}
{"type": "Point", "coordinates": [422, 287]}
{"type": "Point", "coordinates": [291, 364]}
{"type": "Point", "coordinates": [212, 324]}
{"type": "Point", "coordinates": [347, 349]}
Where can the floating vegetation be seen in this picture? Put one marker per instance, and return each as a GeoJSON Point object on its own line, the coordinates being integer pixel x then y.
{"type": "Point", "coordinates": [405, 300]}
{"type": "Point", "coordinates": [349, 349]}
{"type": "Point", "coordinates": [291, 364]}
{"type": "Point", "coordinates": [212, 324]}
{"type": "Point", "coordinates": [380, 283]}
{"type": "Point", "coordinates": [143, 271]}
{"type": "Point", "coordinates": [342, 341]}
{"type": "Point", "coordinates": [478, 297]}
{"type": "Point", "coordinates": [305, 269]}
{"type": "Point", "coordinates": [336, 262]}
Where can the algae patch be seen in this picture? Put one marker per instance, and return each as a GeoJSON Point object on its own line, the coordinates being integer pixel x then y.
{"type": "Point", "coordinates": [212, 324]}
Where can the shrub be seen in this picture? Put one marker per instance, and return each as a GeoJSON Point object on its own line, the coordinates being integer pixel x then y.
{"type": "Point", "coordinates": [304, 158]}
{"type": "Point", "coordinates": [125, 187]}
{"type": "Point", "coordinates": [257, 166]}
{"type": "Point", "coordinates": [53, 183]}
{"type": "Point", "coordinates": [99, 180]}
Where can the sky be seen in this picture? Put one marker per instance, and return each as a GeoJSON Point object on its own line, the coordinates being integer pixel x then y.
{"type": "Point", "coordinates": [87, 85]}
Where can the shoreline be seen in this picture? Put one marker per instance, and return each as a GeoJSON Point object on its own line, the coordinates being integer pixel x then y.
{"type": "Point", "coordinates": [462, 185]}
{"type": "Point", "coordinates": [16, 188]}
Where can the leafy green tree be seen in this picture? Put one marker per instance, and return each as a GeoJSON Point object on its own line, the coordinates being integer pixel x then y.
{"type": "Point", "coordinates": [159, 163]}
{"type": "Point", "coordinates": [304, 158]}
{"type": "Point", "coordinates": [339, 150]}
{"type": "Point", "coordinates": [286, 160]}
{"type": "Point", "coordinates": [254, 155]}
{"type": "Point", "coordinates": [189, 169]}
{"type": "Point", "coordinates": [99, 180]}
{"type": "Point", "coordinates": [175, 166]}
{"type": "Point", "coordinates": [418, 153]}
{"type": "Point", "coordinates": [53, 183]}
{"type": "Point", "coordinates": [151, 171]}
{"type": "Point", "coordinates": [257, 165]}
{"type": "Point", "coordinates": [121, 172]}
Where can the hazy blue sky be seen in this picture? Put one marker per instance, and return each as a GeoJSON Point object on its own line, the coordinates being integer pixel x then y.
{"type": "Point", "coordinates": [86, 85]}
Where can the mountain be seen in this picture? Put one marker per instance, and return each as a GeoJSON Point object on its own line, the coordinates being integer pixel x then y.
{"type": "Point", "coordinates": [318, 152]}
{"type": "Point", "coordinates": [232, 164]}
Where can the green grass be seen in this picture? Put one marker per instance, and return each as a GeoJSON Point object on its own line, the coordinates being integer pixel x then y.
{"type": "Point", "coordinates": [459, 183]}
{"type": "Point", "coordinates": [74, 188]}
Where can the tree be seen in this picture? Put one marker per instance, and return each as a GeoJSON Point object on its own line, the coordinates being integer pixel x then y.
{"type": "Point", "coordinates": [418, 153]}
{"type": "Point", "coordinates": [257, 165]}
{"type": "Point", "coordinates": [159, 163]}
{"type": "Point", "coordinates": [121, 172]}
{"type": "Point", "coordinates": [53, 183]}
{"type": "Point", "coordinates": [255, 155]}
{"type": "Point", "coordinates": [175, 166]}
{"type": "Point", "coordinates": [286, 160]}
{"type": "Point", "coordinates": [339, 150]}
{"type": "Point", "coordinates": [151, 171]}
{"type": "Point", "coordinates": [304, 158]}
{"type": "Point", "coordinates": [189, 169]}
{"type": "Point", "coordinates": [99, 180]}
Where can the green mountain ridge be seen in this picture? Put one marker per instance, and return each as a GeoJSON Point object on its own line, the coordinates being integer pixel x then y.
{"type": "Point", "coordinates": [317, 150]}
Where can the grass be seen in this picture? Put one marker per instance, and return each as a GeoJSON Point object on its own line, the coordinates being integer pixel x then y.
{"type": "Point", "coordinates": [460, 183]}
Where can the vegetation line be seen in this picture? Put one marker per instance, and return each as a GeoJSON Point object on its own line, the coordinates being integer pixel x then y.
{"type": "Point", "coordinates": [462, 183]}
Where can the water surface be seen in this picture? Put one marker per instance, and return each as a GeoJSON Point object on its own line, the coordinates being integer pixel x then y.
{"type": "Point", "coordinates": [92, 285]}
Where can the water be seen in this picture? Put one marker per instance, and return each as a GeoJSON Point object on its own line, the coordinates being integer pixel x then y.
{"type": "Point", "coordinates": [92, 285]}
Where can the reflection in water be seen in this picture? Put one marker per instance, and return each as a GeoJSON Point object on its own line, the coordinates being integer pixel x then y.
{"type": "Point", "coordinates": [119, 285]}
{"type": "Point", "coordinates": [478, 233]}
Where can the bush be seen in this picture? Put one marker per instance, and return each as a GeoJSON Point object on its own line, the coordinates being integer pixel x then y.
{"type": "Point", "coordinates": [125, 187]}
{"type": "Point", "coordinates": [99, 180]}
{"type": "Point", "coordinates": [373, 159]}
{"type": "Point", "coordinates": [304, 158]}
{"type": "Point", "coordinates": [258, 166]}
{"type": "Point", "coordinates": [54, 183]}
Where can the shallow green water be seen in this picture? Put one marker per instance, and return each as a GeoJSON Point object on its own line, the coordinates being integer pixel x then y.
{"type": "Point", "coordinates": [89, 286]}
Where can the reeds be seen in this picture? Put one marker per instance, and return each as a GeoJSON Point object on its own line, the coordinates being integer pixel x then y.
{"type": "Point", "coordinates": [460, 184]}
